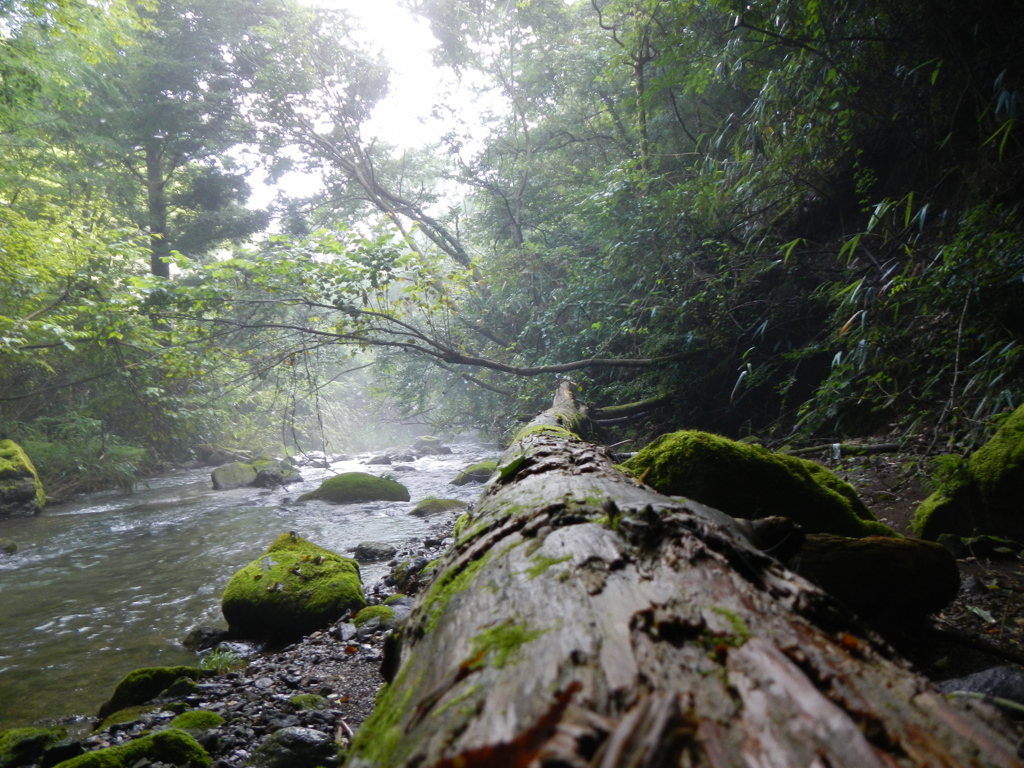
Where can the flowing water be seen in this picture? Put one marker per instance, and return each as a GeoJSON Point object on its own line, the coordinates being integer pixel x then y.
{"type": "Point", "coordinates": [111, 583]}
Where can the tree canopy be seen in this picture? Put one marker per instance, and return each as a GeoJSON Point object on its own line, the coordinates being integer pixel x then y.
{"type": "Point", "coordinates": [784, 219]}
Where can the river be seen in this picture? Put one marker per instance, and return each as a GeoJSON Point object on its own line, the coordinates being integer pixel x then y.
{"type": "Point", "coordinates": [110, 583]}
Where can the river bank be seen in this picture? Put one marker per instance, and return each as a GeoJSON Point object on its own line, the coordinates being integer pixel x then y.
{"type": "Point", "coordinates": [336, 673]}
{"type": "Point", "coordinates": [110, 583]}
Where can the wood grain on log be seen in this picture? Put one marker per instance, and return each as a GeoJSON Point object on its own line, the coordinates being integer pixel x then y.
{"type": "Point", "coordinates": [585, 620]}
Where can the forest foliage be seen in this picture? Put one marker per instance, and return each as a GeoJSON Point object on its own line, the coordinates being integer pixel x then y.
{"type": "Point", "coordinates": [788, 219]}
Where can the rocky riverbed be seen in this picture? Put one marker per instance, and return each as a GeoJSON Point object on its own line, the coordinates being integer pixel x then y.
{"type": "Point", "coordinates": [293, 706]}
{"type": "Point", "coordinates": [324, 684]}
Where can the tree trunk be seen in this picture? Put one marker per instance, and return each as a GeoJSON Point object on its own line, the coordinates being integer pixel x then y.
{"type": "Point", "coordinates": [156, 200]}
{"type": "Point", "coordinates": [584, 620]}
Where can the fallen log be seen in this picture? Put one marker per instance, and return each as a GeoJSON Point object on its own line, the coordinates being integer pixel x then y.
{"type": "Point", "coordinates": [585, 620]}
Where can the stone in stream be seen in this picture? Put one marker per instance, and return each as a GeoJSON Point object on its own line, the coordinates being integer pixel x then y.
{"type": "Point", "coordinates": [8, 547]}
{"type": "Point", "coordinates": [295, 588]}
{"type": "Point", "coordinates": [377, 460]}
{"type": "Point", "coordinates": [372, 551]}
{"type": "Point", "coordinates": [475, 473]}
{"type": "Point", "coordinates": [351, 487]}
{"type": "Point", "coordinates": [429, 507]}
{"type": "Point", "coordinates": [21, 493]}
{"type": "Point", "coordinates": [202, 637]}
{"type": "Point", "coordinates": [428, 445]}
{"type": "Point", "coordinates": [234, 475]}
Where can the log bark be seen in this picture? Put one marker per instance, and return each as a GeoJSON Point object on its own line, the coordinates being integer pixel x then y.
{"type": "Point", "coordinates": [585, 620]}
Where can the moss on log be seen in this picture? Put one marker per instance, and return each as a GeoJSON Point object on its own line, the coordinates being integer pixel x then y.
{"type": "Point", "coordinates": [584, 620]}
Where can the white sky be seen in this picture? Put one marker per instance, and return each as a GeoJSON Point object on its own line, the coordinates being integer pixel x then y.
{"type": "Point", "coordinates": [403, 118]}
{"type": "Point", "coordinates": [413, 90]}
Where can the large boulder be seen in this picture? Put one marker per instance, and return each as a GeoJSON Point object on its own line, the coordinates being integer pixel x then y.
{"type": "Point", "coordinates": [25, 746]}
{"type": "Point", "coordinates": [748, 481]}
{"type": "Point", "coordinates": [271, 473]}
{"type": "Point", "coordinates": [881, 576]}
{"type": "Point", "coordinates": [293, 589]}
{"type": "Point", "coordinates": [475, 473]}
{"type": "Point", "coordinates": [428, 445]}
{"type": "Point", "coordinates": [144, 685]}
{"type": "Point", "coordinates": [983, 494]}
{"type": "Point", "coordinates": [262, 473]}
{"type": "Point", "coordinates": [172, 746]}
{"type": "Point", "coordinates": [234, 475]}
{"type": "Point", "coordinates": [349, 487]}
{"type": "Point", "coordinates": [21, 493]}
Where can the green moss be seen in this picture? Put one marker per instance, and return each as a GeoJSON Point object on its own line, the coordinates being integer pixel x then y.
{"type": "Point", "coordinates": [475, 473]}
{"type": "Point", "coordinates": [981, 495]}
{"type": "Point", "coordinates": [126, 715]}
{"type": "Point", "coordinates": [749, 481]}
{"type": "Point", "coordinates": [460, 525]}
{"type": "Point", "coordinates": [197, 720]}
{"type": "Point", "coordinates": [308, 701]}
{"type": "Point", "coordinates": [173, 746]}
{"type": "Point", "coordinates": [379, 740]}
{"type": "Point", "coordinates": [501, 644]}
{"type": "Point", "coordinates": [543, 563]}
{"type": "Point", "coordinates": [429, 507]}
{"type": "Point", "coordinates": [385, 614]}
{"type": "Point", "coordinates": [394, 598]}
{"type": "Point", "coordinates": [740, 631]}
{"type": "Point", "coordinates": [8, 547]}
{"type": "Point", "coordinates": [19, 481]}
{"type": "Point", "coordinates": [293, 589]}
{"type": "Point", "coordinates": [144, 685]}
{"type": "Point", "coordinates": [349, 487]}
{"type": "Point", "coordinates": [473, 690]}
{"type": "Point", "coordinates": [23, 746]}
{"type": "Point", "coordinates": [448, 585]}
{"type": "Point", "coordinates": [540, 429]}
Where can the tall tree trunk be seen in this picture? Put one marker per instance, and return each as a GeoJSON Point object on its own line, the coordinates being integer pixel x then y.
{"type": "Point", "coordinates": [156, 199]}
{"type": "Point", "coordinates": [585, 620]}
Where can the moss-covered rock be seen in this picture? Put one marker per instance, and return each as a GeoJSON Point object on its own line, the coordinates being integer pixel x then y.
{"type": "Point", "coordinates": [349, 487]}
{"type": "Point", "coordinates": [429, 507]}
{"type": "Point", "coordinates": [234, 475]}
{"type": "Point", "coordinates": [127, 715]}
{"type": "Point", "coordinates": [271, 473]}
{"type": "Point", "coordinates": [172, 746]}
{"type": "Point", "coordinates": [295, 588]}
{"type": "Point", "coordinates": [749, 481]}
{"type": "Point", "coordinates": [430, 445]}
{"type": "Point", "coordinates": [475, 473]}
{"type": "Point", "coordinates": [21, 493]}
{"type": "Point", "coordinates": [984, 496]}
{"type": "Point", "coordinates": [8, 547]}
{"type": "Point", "coordinates": [385, 613]}
{"type": "Point", "coordinates": [144, 685]}
{"type": "Point", "coordinates": [197, 720]}
{"type": "Point", "coordinates": [892, 578]}
{"type": "Point", "coordinates": [24, 746]}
